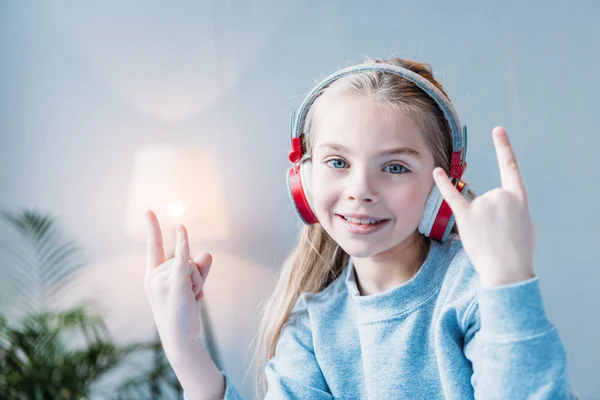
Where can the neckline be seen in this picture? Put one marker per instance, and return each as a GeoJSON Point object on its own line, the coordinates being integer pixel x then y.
{"type": "Point", "coordinates": [401, 299]}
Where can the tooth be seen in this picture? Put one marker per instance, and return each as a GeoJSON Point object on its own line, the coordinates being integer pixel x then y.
{"type": "Point", "coordinates": [361, 222]}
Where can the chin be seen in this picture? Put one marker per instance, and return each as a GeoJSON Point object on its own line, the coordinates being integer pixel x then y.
{"type": "Point", "coordinates": [362, 254]}
{"type": "Point", "coordinates": [371, 248]}
{"type": "Point", "coordinates": [361, 250]}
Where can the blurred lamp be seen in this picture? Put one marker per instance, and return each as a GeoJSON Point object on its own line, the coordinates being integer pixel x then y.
{"type": "Point", "coordinates": [182, 186]}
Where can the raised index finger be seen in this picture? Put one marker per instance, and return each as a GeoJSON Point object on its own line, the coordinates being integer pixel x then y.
{"type": "Point", "coordinates": [156, 251]}
{"type": "Point", "coordinates": [509, 169]}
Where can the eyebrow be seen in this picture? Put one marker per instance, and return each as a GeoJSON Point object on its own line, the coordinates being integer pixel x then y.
{"type": "Point", "coordinates": [388, 152]}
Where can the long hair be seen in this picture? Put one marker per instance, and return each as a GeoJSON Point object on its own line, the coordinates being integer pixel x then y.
{"type": "Point", "coordinates": [317, 260]}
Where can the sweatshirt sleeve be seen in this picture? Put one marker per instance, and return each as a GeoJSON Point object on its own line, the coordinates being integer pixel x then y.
{"type": "Point", "coordinates": [515, 351]}
{"type": "Point", "coordinates": [293, 372]}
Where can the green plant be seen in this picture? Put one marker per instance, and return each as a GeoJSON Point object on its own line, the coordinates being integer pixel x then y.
{"type": "Point", "coordinates": [37, 357]}
{"type": "Point", "coordinates": [39, 266]}
{"type": "Point", "coordinates": [37, 363]}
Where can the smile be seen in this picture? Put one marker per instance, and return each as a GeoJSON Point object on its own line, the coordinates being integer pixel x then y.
{"type": "Point", "coordinates": [360, 226]}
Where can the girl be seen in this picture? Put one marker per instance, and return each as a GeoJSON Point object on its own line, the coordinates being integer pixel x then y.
{"type": "Point", "coordinates": [381, 298]}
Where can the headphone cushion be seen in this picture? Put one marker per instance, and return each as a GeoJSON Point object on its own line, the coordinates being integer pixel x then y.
{"type": "Point", "coordinates": [298, 184]}
{"type": "Point", "coordinates": [306, 179]}
{"type": "Point", "coordinates": [432, 206]}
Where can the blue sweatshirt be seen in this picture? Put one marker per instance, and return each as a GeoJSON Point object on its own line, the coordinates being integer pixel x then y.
{"type": "Point", "coordinates": [438, 336]}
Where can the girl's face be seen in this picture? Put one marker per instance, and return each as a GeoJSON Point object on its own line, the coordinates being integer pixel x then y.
{"type": "Point", "coordinates": [372, 174]}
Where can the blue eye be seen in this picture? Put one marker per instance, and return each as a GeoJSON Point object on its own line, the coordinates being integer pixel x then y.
{"type": "Point", "coordinates": [338, 163]}
{"type": "Point", "coordinates": [396, 168]}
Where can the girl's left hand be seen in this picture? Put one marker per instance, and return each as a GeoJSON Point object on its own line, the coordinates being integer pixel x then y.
{"type": "Point", "coordinates": [496, 229]}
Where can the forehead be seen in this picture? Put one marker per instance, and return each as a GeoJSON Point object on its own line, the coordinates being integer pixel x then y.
{"type": "Point", "coordinates": [358, 122]}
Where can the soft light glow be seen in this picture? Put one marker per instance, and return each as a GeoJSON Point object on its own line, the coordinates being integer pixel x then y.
{"type": "Point", "coordinates": [176, 209]}
{"type": "Point", "coordinates": [182, 185]}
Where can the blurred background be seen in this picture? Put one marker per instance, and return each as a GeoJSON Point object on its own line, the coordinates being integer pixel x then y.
{"type": "Point", "coordinates": [95, 95]}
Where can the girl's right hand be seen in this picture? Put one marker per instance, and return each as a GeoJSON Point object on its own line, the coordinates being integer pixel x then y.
{"type": "Point", "coordinates": [174, 288]}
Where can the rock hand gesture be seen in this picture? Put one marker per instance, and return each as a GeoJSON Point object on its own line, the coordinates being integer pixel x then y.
{"type": "Point", "coordinates": [496, 229]}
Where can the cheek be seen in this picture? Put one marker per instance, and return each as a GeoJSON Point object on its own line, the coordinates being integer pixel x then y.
{"type": "Point", "coordinates": [324, 195]}
{"type": "Point", "coordinates": [408, 201]}
{"type": "Point", "coordinates": [321, 190]}
{"type": "Point", "coordinates": [325, 192]}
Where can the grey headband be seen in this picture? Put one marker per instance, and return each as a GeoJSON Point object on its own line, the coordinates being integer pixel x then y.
{"type": "Point", "coordinates": [459, 136]}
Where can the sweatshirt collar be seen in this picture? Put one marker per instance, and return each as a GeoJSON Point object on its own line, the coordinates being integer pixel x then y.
{"type": "Point", "coordinates": [404, 298]}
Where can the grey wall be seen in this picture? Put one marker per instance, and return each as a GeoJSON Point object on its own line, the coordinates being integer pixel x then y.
{"type": "Point", "coordinates": [83, 85]}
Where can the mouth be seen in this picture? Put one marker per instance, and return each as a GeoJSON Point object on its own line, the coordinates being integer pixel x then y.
{"type": "Point", "coordinates": [361, 221]}
{"type": "Point", "coordinates": [362, 225]}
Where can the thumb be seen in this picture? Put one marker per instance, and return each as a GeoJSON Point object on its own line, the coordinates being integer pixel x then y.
{"type": "Point", "coordinates": [203, 263]}
{"type": "Point", "coordinates": [451, 195]}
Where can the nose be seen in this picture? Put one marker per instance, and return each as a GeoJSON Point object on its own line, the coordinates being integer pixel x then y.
{"type": "Point", "coordinates": [361, 187]}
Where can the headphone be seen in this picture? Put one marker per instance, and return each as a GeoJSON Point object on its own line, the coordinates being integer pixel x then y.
{"type": "Point", "coordinates": [437, 220]}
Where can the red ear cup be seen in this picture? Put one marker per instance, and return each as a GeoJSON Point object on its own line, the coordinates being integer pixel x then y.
{"type": "Point", "coordinates": [444, 217]}
{"type": "Point", "coordinates": [298, 196]}
{"type": "Point", "coordinates": [438, 220]}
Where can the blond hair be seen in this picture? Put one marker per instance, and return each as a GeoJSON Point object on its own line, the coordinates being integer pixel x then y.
{"type": "Point", "coordinates": [317, 260]}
